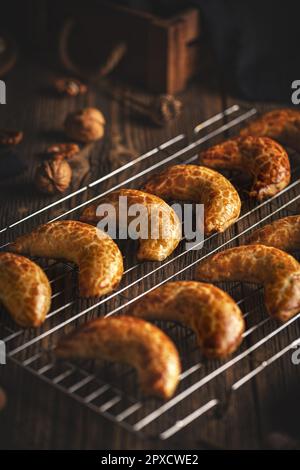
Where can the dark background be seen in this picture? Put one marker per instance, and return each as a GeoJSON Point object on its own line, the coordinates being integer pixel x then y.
{"type": "Point", "coordinates": [255, 43]}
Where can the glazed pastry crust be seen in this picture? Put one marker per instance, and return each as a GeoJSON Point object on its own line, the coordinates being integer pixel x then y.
{"type": "Point", "coordinates": [263, 158]}
{"type": "Point", "coordinates": [282, 233]}
{"type": "Point", "coordinates": [202, 185]}
{"type": "Point", "coordinates": [210, 312]}
{"type": "Point", "coordinates": [132, 341]}
{"type": "Point", "coordinates": [276, 270]}
{"type": "Point", "coordinates": [24, 290]}
{"type": "Point", "coordinates": [280, 124]}
{"type": "Point", "coordinates": [167, 228]}
{"type": "Point", "coordinates": [97, 256]}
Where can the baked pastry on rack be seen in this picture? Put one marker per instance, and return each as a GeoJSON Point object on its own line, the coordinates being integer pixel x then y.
{"type": "Point", "coordinates": [209, 311]}
{"type": "Point", "coordinates": [161, 221]}
{"type": "Point", "coordinates": [282, 233]}
{"type": "Point", "coordinates": [128, 340]}
{"type": "Point", "coordinates": [280, 124]}
{"type": "Point", "coordinates": [276, 270]}
{"type": "Point", "coordinates": [202, 185]}
{"type": "Point", "coordinates": [97, 256]}
{"type": "Point", "coordinates": [24, 290]}
{"type": "Point", "coordinates": [262, 158]}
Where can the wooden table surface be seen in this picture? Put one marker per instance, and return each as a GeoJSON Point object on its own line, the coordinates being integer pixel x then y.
{"type": "Point", "coordinates": [39, 417]}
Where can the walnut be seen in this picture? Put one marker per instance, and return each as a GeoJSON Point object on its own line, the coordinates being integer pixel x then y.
{"type": "Point", "coordinates": [66, 150]}
{"type": "Point", "coordinates": [85, 125]}
{"type": "Point", "coordinates": [70, 86]}
{"type": "Point", "coordinates": [53, 176]}
{"type": "Point", "coordinates": [8, 137]}
{"type": "Point", "coordinates": [164, 109]}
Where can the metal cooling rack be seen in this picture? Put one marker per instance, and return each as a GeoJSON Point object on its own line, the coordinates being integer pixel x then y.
{"type": "Point", "coordinates": [205, 386]}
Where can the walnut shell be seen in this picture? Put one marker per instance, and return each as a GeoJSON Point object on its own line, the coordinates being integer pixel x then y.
{"type": "Point", "coordinates": [53, 176]}
{"type": "Point", "coordinates": [85, 125]}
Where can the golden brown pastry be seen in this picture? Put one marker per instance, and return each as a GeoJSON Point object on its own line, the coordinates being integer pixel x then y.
{"type": "Point", "coordinates": [280, 124]}
{"type": "Point", "coordinates": [24, 290]}
{"type": "Point", "coordinates": [263, 158]}
{"type": "Point", "coordinates": [276, 270]}
{"type": "Point", "coordinates": [166, 223]}
{"type": "Point", "coordinates": [202, 185]}
{"type": "Point", "coordinates": [206, 309]}
{"type": "Point", "coordinates": [282, 233]}
{"type": "Point", "coordinates": [97, 256]}
{"type": "Point", "coordinates": [132, 341]}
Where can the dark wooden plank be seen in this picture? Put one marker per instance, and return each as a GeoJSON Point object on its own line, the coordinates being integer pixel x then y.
{"type": "Point", "coordinates": [39, 416]}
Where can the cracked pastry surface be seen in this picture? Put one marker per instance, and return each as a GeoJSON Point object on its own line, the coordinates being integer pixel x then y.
{"type": "Point", "coordinates": [24, 290]}
{"type": "Point", "coordinates": [261, 157]}
{"type": "Point", "coordinates": [161, 220]}
{"type": "Point", "coordinates": [282, 233]}
{"type": "Point", "coordinates": [280, 124]}
{"type": "Point", "coordinates": [209, 311]}
{"type": "Point", "coordinates": [276, 270]}
{"type": "Point", "coordinates": [128, 340]}
{"type": "Point", "coordinates": [202, 185]}
{"type": "Point", "coordinates": [97, 256]}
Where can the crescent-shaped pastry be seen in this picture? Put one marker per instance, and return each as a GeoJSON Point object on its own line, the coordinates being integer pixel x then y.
{"type": "Point", "coordinates": [276, 270]}
{"type": "Point", "coordinates": [202, 185]}
{"type": "Point", "coordinates": [98, 258]}
{"type": "Point", "coordinates": [163, 226]}
{"type": "Point", "coordinates": [128, 340]}
{"type": "Point", "coordinates": [24, 290]}
{"type": "Point", "coordinates": [263, 158]}
{"type": "Point", "coordinates": [280, 124]}
{"type": "Point", "coordinates": [210, 312]}
{"type": "Point", "coordinates": [282, 233]}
